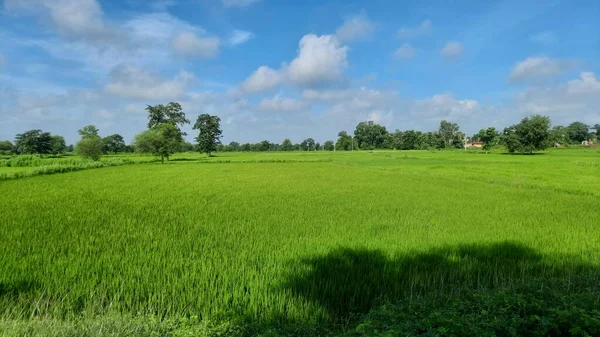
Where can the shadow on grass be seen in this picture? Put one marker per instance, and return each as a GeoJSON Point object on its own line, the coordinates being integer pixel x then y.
{"type": "Point", "coordinates": [353, 281]}
{"type": "Point", "coordinates": [14, 289]}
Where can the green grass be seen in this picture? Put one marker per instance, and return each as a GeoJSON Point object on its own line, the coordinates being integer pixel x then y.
{"type": "Point", "coordinates": [295, 242]}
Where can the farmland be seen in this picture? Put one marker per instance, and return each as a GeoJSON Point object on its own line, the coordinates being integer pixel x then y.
{"type": "Point", "coordinates": [295, 243]}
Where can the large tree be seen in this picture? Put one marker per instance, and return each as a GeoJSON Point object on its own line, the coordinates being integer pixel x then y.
{"type": "Point", "coordinates": [328, 146]}
{"type": "Point", "coordinates": [90, 146]}
{"type": "Point", "coordinates": [287, 145]}
{"type": "Point", "coordinates": [560, 135]}
{"type": "Point", "coordinates": [209, 128]}
{"type": "Point", "coordinates": [162, 140]}
{"type": "Point", "coordinates": [88, 131]}
{"type": "Point", "coordinates": [449, 133]}
{"type": "Point", "coordinates": [531, 134]}
{"type": "Point", "coordinates": [34, 142]}
{"type": "Point", "coordinates": [578, 132]}
{"type": "Point", "coordinates": [58, 145]}
{"type": "Point", "coordinates": [308, 144]}
{"type": "Point", "coordinates": [6, 147]}
{"type": "Point", "coordinates": [489, 137]}
{"type": "Point", "coordinates": [370, 135]}
{"type": "Point", "coordinates": [114, 143]}
{"type": "Point", "coordinates": [171, 113]}
{"type": "Point", "coordinates": [344, 142]}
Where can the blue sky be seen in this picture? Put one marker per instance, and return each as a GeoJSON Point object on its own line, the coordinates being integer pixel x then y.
{"type": "Point", "coordinates": [274, 69]}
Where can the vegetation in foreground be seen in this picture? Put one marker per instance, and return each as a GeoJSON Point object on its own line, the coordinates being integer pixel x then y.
{"type": "Point", "coordinates": [421, 243]}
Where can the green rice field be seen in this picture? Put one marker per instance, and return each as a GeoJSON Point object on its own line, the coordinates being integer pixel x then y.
{"type": "Point", "coordinates": [320, 243]}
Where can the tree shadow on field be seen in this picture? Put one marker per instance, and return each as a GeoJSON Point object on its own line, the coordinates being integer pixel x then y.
{"type": "Point", "coordinates": [14, 289]}
{"type": "Point", "coordinates": [353, 281]}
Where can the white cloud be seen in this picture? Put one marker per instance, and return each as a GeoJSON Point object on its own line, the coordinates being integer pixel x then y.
{"type": "Point", "coordinates": [188, 44]}
{"type": "Point", "coordinates": [452, 50]}
{"type": "Point", "coordinates": [321, 60]}
{"type": "Point", "coordinates": [74, 18]}
{"type": "Point", "coordinates": [406, 51]}
{"type": "Point", "coordinates": [238, 3]}
{"type": "Point", "coordinates": [281, 104]}
{"type": "Point", "coordinates": [407, 32]}
{"type": "Point", "coordinates": [535, 68]}
{"type": "Point", "coordinates": [355, 27]}
{"type": "Point", "coordinates": [587, 85]}
{"type": "Point", "coordinates": [577, 99]}
{"type": "Point", "coordinates": [240, 37]}
{"type": "Point", "coordinates": [135, 83]}
{"type": "Point", "coordinates": [444, 106]}
{"type": "Point", "coordinates": [263, 79]}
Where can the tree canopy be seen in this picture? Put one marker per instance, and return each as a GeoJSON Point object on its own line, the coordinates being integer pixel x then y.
{"type": "Point", "coordinates": [34, 142]}
{"type": "Point", "coordinates": [370, 135]}
{"type": "Point", "coordinates": [209, 133]}
{"type": "Point", "coordinates": [531, 134]}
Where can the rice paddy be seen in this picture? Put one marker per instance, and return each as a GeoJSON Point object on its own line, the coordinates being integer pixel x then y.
{"type": "Point", "coordinates": [309, 240]}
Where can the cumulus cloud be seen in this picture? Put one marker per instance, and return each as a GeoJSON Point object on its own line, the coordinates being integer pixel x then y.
{"type": "Point", "coordinates": [355, 27]}
{"type": "Point", "coordinates": [263, 79]}
{"type": "Point", "coordinates": [136, 83]}
{"type": "Point", "coordinates": [240, 37]}
{"type": "Point", "coordinates": [321, 61]}
{"type": "Point", "coordinates": [452, 50]}
{"type": "Point", "coordinates": [536, 68]}
{"type": "Point", "coordinates": [444, 106]}
{"type": "Point", "coordinates": [74, 18]}
{"type": "Point", "coordinates": [411, 32]}
{"type": "Point", "coordinates": [189, 45]}
{"type": "Point", "coordinates": [406, 51]}
{"type": "Point", "coordinates": [238, 3]}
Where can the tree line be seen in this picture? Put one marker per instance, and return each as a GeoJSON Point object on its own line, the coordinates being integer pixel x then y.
{"type": "Point", "coordinates": [164, 137]}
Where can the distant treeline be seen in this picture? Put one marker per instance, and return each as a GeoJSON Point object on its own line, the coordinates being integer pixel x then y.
{"type": "Point", "coordinates": [164, 138]}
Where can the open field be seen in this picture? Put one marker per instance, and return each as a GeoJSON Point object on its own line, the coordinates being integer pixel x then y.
{"type": "Point", "coordinates": [297, 242]}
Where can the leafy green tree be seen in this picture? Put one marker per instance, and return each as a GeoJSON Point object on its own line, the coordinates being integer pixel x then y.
{"type": "Point", "coordinates": [534, 133]}
{"type": "Point", "coordinates": [171, 113]}
{"type": "Point", "coordinates": [370, 135]}
{"type": "Point", "coordinates": [263, 146]}
{"type": "Point", "coordinates": [433, 140]}
{"type": "Point", "coordinates": [560, 135]}
{"type": "Point", "coordinates": [489, 137]}
{"type": "Point", "coordinates": [578, 132]}
{"type": "Point", "coordinates": [597, 128]}
{"type": "Point", "coordinates": [34, 142]}
{"type": "Point", "coordinates": [328, 146]}
{"type": "Point", "coordinates": [58, 145]}
{"type": "Point", "coordinates": [187, 147]}
{"type": "Point", "coordinates": [114, 143]}
{"type": "Point", "coordinates": [88, 131]}
{"type": "Point", "coordinates": [344, 142]}
{"type": "Point", "coordinates": [411, 140]}
{"type": "Point", "coordinates": [531, 134]}
{"type": "Point", "coordinates": [235, 146]}
{"type": "Point", "coordinates": [6, 147]}
{"type": "Point", "coordinates": [318, 147]}
{"type": "Point", "coordinates": [510, 139]}
{"type": "Point", "coordinates": [90, 146]}
{"type": "Point", "coordinates": [449, 133]}
{"type": "Point", "coordinates": [162, 140]}
{"type": "Point", "coordinates": [71, 148]}
{"type": "Point", "coordinates": [308, 144]}
{"type": "Point", "coordinates": [209, 136]}
{"type": "Point", "coordinates": [287, 145]}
